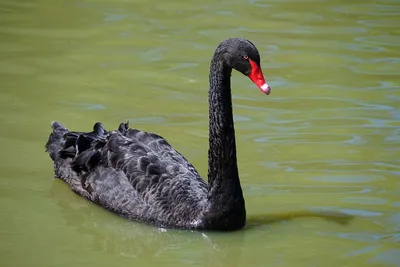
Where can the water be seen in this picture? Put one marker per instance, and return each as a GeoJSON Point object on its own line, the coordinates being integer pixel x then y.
{"type": "Point", "coordinates": [326, 140]}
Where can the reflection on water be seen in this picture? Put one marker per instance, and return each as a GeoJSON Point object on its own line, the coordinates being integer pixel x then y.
{"type": "Point", "coordinates": [137, 240]}
{"type": "Point", "coordinates": [333, 216]}
{"type": "Point", "coordinates": [132, 240]}
{"type": "Point", "coordinates": [318, 159]}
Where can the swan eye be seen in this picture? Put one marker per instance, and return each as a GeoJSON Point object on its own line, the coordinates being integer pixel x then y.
{"type": "Point", "coordinates": [246, 57]}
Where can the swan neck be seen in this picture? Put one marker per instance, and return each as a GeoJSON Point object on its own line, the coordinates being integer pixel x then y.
{"type": "Point", "coordinates": [225, 193]}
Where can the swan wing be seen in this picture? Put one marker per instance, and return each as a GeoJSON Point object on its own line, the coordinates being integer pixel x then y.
{"type": "Point", "coordinates": [136, 174]}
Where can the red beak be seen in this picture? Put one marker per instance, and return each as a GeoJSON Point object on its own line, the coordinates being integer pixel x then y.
{"type": "Point", "coordinates": [257, 77]}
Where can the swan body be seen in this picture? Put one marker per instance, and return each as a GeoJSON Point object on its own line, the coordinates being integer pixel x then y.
{"type": "Point", "coordinates": [138, 175]}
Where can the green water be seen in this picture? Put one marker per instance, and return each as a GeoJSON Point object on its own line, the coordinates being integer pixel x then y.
{"type": "Point", "coordinates": [326, 139]}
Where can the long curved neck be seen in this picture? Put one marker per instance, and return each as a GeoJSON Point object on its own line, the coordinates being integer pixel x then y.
{"type": "Point", "coordinates": [225, 193]}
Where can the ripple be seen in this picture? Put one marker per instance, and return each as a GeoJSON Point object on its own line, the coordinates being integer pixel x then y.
{"type": "Point", "coordinates": [87, 106]}
{"type": "Point", "coordinates": [339, 166]}
{"type": "Point", "coordinates": [384, 23]}
{"type": "Point", "coordinates": [116, 17]}
{"type": "Point", "coordinates": [387, 40]}
{"type": "Point", "coordinates": [356, 140]}
{"type": "Point", "coordinates": [365, 200]}
{"type": "Point", "coordinates": [363, 47]}
{"type": "Point", "coordinates": [296, 138]}
{"type": "Point", "coordinates": [379, 66]}
{"type": "Point", "coordinates": [364, 250]}
{"type": "Point", "coordinates": [259, 3]}
{"type": "Point", "coordinates": [368, 9]}
{"type": "Point", "coordinates": [347, 178]}
{"type": "Point", "coordinates": [391, 256]}
{"type": "Point", "coordinates": [183, 65]}
{"type": "Point", "coordinates": [154, 54]}
{"type": "Point", "coordinates": [50, 33]}
{"type": "Point", "coordinates": [152, 119]}
{"type": "Point", "coordinates": [395, 218]}
{"type": "Point", "coordinates": [362, 236]}
{"type": "Point", "coordinates": [272, 189]}
{"type": "Point", "coordinates": [15, 68]}
{"type": "Point", "coordinates": [362, 213]}
{"type": "Point", "coordinates": [379, 123]}
{"type": "Point", "coordinates": [184, 119]}
{"type": "Point", "coordinates": [303, 16]}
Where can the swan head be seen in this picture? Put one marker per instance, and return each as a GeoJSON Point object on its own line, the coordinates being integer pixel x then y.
{"type": "Point", "coordinates": [242, 55]}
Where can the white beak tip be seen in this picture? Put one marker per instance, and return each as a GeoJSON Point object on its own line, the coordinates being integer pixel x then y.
{"type": "Point", "coordinates": [265, 88]}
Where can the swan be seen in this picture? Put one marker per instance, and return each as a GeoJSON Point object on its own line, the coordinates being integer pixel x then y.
{"type": "Point", "coordinates": [140, 176]}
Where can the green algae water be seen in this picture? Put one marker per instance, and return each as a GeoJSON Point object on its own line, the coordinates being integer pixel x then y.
{"type": "Point", "coordinates": [325, 142]}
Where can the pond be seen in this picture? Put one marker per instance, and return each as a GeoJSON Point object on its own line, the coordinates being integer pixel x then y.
{"type": "Point", "coordinates": [324, 144]}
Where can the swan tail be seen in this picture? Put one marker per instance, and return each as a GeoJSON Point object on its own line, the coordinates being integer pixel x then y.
{"type": "Point", "coordinates": [56, 140]}
{"type": "Point", "coordinates": [77, 151]}
{"type": "Point", "coordinates": [74, 152]}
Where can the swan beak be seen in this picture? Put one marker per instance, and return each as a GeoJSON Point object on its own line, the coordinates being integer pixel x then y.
{"type": "Point", "coordinates": [257, 77]}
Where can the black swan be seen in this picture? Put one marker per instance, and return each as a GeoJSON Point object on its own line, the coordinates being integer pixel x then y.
{"type": "Point", "coordinates": [139, 176]}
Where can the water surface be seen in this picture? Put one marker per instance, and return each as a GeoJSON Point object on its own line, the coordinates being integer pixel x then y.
{"type": "Point", "coordinates": [326, 140]}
